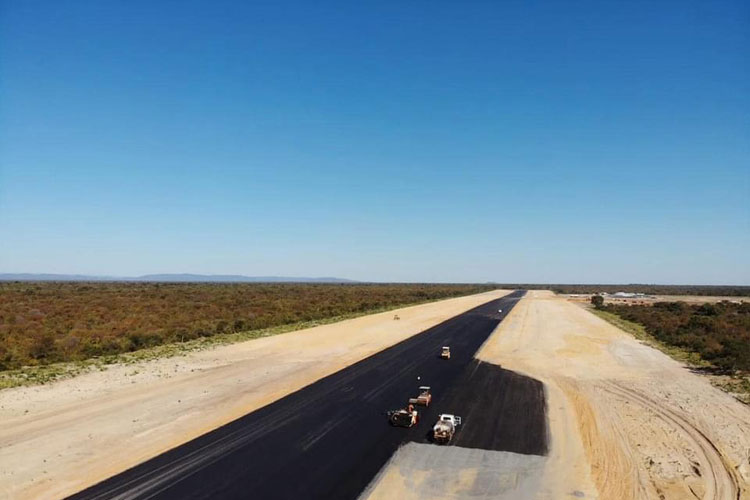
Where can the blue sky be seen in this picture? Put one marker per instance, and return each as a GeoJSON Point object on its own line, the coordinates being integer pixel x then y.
{"type": "Point", "coordinates": [389, 141]}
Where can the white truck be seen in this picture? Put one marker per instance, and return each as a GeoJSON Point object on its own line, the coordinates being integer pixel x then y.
{"type": "Point", "coordinates": [445, 428]}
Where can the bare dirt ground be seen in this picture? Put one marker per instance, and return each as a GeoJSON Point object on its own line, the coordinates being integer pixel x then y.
{"type": "Point", "coordinates": [646, 426]}
{"type": "Point", "coordinates": [59, 438]}
{"type": "Point", "coordinates": [690, 299]}
{"type": "Point", "coordinates": [625, 422]}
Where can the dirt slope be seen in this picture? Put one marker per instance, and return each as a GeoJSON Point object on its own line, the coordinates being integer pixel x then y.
{"type": "Point", "coordinates": [57, 439]}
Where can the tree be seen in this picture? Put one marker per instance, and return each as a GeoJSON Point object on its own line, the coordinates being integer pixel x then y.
{"type": "Point", "coordinates": [597, 300]}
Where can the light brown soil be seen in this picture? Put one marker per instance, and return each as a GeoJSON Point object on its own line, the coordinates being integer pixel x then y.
{"type": "Point", "coordinates": [649, 428]}
{"type": "Point", "coordinates": [690, 299]}
{"type": "Point", "coordinates": [59, 438]}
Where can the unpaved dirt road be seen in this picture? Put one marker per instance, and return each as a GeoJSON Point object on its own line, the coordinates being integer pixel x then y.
{"type": "Point", "coordinates": [58, 439]}
{"type": "Point", "coordinates": [625, 422]}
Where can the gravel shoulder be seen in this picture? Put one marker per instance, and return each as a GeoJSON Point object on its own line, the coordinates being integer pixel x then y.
{"type": "Point", "coordinates": [59, 438]}
{"type": "Point", "coordinates": [419, 471]}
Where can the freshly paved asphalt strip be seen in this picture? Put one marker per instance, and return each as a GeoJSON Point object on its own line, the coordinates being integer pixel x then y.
{"type": "Point", "coordinates": [329, 439]}
{"type": "Point", "coordinates": [500, 410]}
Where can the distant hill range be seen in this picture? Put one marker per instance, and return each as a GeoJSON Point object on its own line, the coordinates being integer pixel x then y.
{"type": "Point", "coordinates": [171, 278]}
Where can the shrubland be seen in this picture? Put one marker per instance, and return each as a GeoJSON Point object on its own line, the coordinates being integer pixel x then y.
{"type": "Point", "coordinates": [719, 333]}
{"type": "Point", "coordinates": [50, 322]}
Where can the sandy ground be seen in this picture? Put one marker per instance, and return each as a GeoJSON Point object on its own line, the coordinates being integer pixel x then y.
{"type": "Point", "coordinates": [59, 438]}
{"type": "Point", "coordinates": [647, 426]}
{"type": "Point", "coordinates": [690, 299]}
{"type": "Point", "coordinates": [625, 421]}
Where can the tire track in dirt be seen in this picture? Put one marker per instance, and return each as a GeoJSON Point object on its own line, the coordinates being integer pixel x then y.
{"type": "Point", "coordinates": [721, 481]}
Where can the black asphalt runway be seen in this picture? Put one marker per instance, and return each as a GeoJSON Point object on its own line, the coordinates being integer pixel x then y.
{"type": "Point", "coordinates": [500, 409]}
{"type": "Point", "coordinates": [329, 439]}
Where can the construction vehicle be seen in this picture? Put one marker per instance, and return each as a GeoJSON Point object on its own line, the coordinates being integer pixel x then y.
{"type": "Point", "coordinates": [405, 417]}
{"type": "Point", "coordinates": [445, 428]}
{"type": "Point", "coordinates": [424, 398]}
{"type": "Point", "coordinates": [446, 352]}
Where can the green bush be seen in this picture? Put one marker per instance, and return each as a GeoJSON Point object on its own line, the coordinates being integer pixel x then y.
{"type": "Point", "coordinates": [597, 301]}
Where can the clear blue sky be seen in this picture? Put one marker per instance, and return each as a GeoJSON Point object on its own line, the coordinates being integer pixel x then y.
{"type": "Point", "coordinates": [409, 141]}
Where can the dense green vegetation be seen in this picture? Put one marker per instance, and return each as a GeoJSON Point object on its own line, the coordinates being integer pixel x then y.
{"type": "Point", "coordinates": [719, 333]}
{"type": "Point", "coordinates": [46, 322]}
